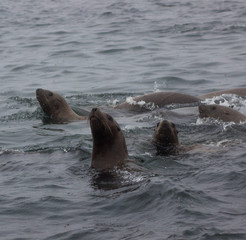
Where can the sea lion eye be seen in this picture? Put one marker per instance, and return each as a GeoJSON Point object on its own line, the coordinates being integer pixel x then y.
{"type": "Point", "coordinates": [50, 94]}
{"type": "Point", "coordinates": [110, 118]}
{"type": "Point", "coordinates": [173, 125]}
{"type": "Point", "coordinates": [213, 108]}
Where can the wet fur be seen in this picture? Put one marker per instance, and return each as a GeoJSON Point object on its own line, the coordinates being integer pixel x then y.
{"type": "Point", "coordinates": [223, 113]}
{"type": "Point", "coordinates": [165, 138]}
{"type": "Point", "coordinates": [55, 107]}
{"type": "Point", "coordinates": [159, 99]}
{"type": "Point", "coordinates": [109, 146]}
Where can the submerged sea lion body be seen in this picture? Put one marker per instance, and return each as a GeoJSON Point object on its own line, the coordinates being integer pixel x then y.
{"type": "Point", "coordinates": [223, 113]}
{"type": "Point", "coordinates": [165, 138]}
{"type": "Point", "coordinates": [56, 107]}
{"type": "Point", "coordinates": [109, 146]}
{"type": "Point", "coordinates": [157, 100]}
{"type": "Point", "coordinates": [238, 91]}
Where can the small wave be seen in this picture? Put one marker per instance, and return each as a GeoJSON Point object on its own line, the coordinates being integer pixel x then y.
{"type": "Point", "coordinates": [112, 51]}
{"type": "Point", "coordinates": [223, 235]}
{"type": "Point", "coordinates": [30, 101]}
{"type": "Point", "coordinates": [59, 33]}
{"type": "Point", "coordinates": [212, 121]}
{"type": "Point", "coordinates": [22, 67]}
{"type": "Point", "coordinates": [10, 151]}
{"type": "Point", "coordinates": [234, 29]}
{"type": "Point", "coordinates": [118, 180]}
{"type": "Point", "coordinates": [70, 43]}
{"type": "Point", "coordinates": [62, 52]}
{"type": "Point", "coordinates": [21, 115]}
{"type": "Point", "coordinates": [107, 14]}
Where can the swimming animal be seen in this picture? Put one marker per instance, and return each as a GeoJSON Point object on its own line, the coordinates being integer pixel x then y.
{"type": "Point", "coordinates": [157, 100]}
{"type": "Point", "coordinates": [56, 107]}
{"type": "Point", "coordinates": [223, 113]}
{"type": "Point", "coordinates": [109, 146]}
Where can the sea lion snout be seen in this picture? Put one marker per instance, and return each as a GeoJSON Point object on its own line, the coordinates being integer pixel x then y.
{"type": "Point", "coordinates": [94, 110]}
{"type": "Point", "coordinates": [202, 108]}
{"type": "Point", "coordinates": [38, 90]}
{"type": "Point", "coordinates": [44, 92]}
{"type": "Point", "coordinates": [165, 137]}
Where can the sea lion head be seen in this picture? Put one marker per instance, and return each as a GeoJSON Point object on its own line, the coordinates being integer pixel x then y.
{"type": "Point", "coordinates": [165, 137]}
{"type": "Point", "coordinates": [52, 103]}
{"type": "Point", "coordinates": [213, 111]}
{"type": "Point", "coordinates": [109, 146]}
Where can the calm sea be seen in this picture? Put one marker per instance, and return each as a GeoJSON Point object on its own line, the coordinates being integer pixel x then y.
{"type": "Point", "coordinates": [98, 53]}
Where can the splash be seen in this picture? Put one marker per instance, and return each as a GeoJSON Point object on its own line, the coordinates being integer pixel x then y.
{"type": "Point", "coordinates": [210, 121]}
{"type": "Point", "coordinates": [130, 177]}
{"type": "Point", "coordinates": [8, 151]}
{"type": "Point", "coordinates": [156, 87]}
{"type": "Point", "coordinates": [228, 100]}
{"type": "Point", "coordinates": [149, 106]}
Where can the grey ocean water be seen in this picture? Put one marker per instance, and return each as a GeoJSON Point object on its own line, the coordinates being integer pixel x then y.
{"type": "Point", "coordinates": [98, 53]}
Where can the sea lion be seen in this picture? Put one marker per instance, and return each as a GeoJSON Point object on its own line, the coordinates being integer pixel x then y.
{"type": "Point", "coordinates": [238, 91]}
{"type": "Point", "coordinates": [56, 107]}
{"type": "Point", "coordinates": [157, 100]}
{"type": "Point", "coordinates": [109, 146]}
{"type": "Point", "coordinates": [165, 138]}
{"type": "Point", "coordinates": [223, 113]}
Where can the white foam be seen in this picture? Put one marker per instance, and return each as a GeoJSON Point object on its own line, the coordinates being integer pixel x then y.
{"type": "Point", "coordinates": [141, 103]}
{"type": "Point", "coordinates": [225, 125]}
{"type": "Point", "coordinates": [147, 154]}
{"type": "Point", "coordinates": [156, 87]}
{"type": "Point", "coordinates": [130, 177]}
{"type": "Point", "coordinates": [131, 101]}
{"type": "Point", "coordinates": [114, 103]}
{"type": "Point", "coordinates": [227, 100]}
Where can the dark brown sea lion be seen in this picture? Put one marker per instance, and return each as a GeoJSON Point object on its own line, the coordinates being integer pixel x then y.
{"type": "Point", "coordinates": [56, 107]}
{"type": "Point", "coordinates": [109, 146]}
{"type": "Point", "coordinates": [238, 91]}
{"type": "Point", "coordinates": [223, 113]}
{"type": "Point", "coordinates": [157, 100]}
{"type": "Point", "coordinates": [165, 138]}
